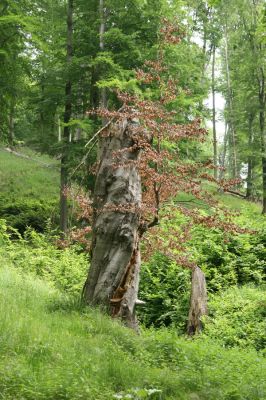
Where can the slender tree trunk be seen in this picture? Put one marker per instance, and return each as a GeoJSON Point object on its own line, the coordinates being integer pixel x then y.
{"type": "Point", "coordinates": [67, 116]}
{"type": "Point", "coordinates": [80, 116]}
{"type": "Point", "coordinates": [113, 277]}
{"type": "Point", "coordinates": [249, 190]}
{"type": "Point", "coordinates": [232, 133]}
{"type": "Point", "coordinates": [262, 99]}
{"type": "Point", "coordinates": [198, 301]}
{"type": "Point", "coordinates": [103, 92]}
{"type": "Point", "coordinates": [59, 129]}
{"type": "Point", "coordinates": [215, 160]}
{"type": "Point", "coordinates": [224, 152]}
{"type": "Point", "coordinates": [11, 133]}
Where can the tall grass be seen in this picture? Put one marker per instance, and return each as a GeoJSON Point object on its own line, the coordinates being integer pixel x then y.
{"type": "Point", "coordinates": [53, 349]}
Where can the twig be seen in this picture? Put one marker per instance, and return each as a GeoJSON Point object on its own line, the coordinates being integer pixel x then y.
{"type": "Point", "coordinates": [82, 161]}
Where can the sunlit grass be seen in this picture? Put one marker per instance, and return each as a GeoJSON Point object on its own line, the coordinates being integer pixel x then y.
{"type": "Point", "coordinates": [22, 178]}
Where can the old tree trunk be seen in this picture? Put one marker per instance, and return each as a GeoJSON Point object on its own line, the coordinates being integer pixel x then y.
{"type": "Point", "coordinates": [113, 278]}
{"type": "Point", "coordinates": [198, 301]}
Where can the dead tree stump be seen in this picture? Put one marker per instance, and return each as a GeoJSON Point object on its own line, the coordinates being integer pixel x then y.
{"type": "Point", "coordinates": [198, 301]}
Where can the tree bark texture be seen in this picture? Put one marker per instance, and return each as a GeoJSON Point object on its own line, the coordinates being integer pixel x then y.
{"type": "Point", "coordinates": [113, 277]}
{"type": "Point", "coordinates": [67, 116]}
{"type": "Point", "coordinates": [198, 301]}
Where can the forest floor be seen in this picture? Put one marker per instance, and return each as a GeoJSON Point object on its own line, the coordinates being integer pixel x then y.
{"type": "Point", "coordinates": [52, 348]}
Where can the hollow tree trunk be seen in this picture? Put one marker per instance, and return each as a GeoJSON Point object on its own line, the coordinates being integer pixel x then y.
{"type": "Point", "coordinates": [198, 301]}
{"type": "Point", "coordinates": [113, 277]}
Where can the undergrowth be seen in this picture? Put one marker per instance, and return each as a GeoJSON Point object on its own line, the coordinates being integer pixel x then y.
{"type": "Point", "coordinates": [50, 351]}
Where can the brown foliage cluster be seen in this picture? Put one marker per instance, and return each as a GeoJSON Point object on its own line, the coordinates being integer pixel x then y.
{"type": "Point", "coordinates": [164, 171]}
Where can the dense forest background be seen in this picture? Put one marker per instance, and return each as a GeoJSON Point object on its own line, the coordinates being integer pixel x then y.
{"type": "Point", "coordinates": [67, 68]}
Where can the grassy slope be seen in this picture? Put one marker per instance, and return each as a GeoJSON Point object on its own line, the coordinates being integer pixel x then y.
{"type": "Point", "coordinates": [26, 179]}
{"type": "Point", "coordinates": [23, 178]}
{"type": "Point", "coordinates": [51, 350]}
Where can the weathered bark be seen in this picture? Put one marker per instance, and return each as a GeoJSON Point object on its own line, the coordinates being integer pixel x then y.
{"type": "Point", "coordinates": [215, 159]}
{"type": "Point", "coordinates": [198, 301]}
{"type": "Point", "coordinates": [66, 133]}
{"type": "Point", "coordinates": [113, 277]}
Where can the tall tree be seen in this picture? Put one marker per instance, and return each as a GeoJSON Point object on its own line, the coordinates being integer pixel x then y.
{"type": "Point", "coordinates": [67, 117]}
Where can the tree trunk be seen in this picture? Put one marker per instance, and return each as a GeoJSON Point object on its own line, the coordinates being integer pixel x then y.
{"type": "Point", "coordinates": [263, 148]}
{"type": "Point", "coordinates": [231, 124]}
{"type": "Point", "coordinates": [66, 133]}
{"type": "Point", "coordinates": [113, 278]}
{"type": "Point", "coordinates": [215, 161]}
{"type": "Point", "coordinates": [59, 129]}
{"type": "Point", "coordinates": [198, 301]}
{"type": "Point", "coordinates": [11, 133]}
{"type": "Point", "coordinates": [103, 92]}
{"type": "Point", "coordinates": [249, 191]}
{"type": "Point", "coordinates": [224, 152]}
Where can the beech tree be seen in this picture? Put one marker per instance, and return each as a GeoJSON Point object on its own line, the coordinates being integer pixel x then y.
{"type": "Point", "coordinates": [139, 170]}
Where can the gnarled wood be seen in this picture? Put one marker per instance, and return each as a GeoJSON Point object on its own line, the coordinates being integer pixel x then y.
{"type": "Point", "coordinates": [198, 301]}
{"type": "Point", "coordinates": [113, 278]}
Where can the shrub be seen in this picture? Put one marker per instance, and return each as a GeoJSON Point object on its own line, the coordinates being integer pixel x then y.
{"type": "Point", "coordinates": [237, 317]}
{"type": "Point", "coordinates": [165, 287]}
{"type": "Point", "coordinates": [21, 214]}
{"type": "Point", "coordinates": [66, 269]}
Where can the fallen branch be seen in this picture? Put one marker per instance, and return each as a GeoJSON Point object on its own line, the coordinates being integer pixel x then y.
{"type": "Point", "coordinates": [235, 193]}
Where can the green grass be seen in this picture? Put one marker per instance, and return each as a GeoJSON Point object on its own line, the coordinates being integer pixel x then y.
{"type": "Point", "coordinates": [26, 179]}
{"type": "Point", "coordinates": [51, 348]}
{"type": "Point", "coordinates": [29, 191]}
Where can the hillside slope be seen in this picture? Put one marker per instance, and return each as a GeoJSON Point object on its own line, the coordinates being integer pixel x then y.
{"type": "Point", "coordinates": [51, 349]}
{"type": "Point", "coordinates": [29, 189]}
